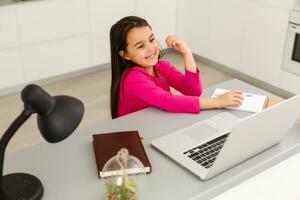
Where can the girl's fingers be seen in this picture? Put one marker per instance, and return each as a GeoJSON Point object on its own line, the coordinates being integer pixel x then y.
{"type": "Point", "coordinates": [239, 97]}
{"type": "Point", "coordinates": [237, 91]}
{"type": "Point", "coordinates": [176, 42]}
{"type": "Point", "coordinates": [171, 40]}
{"type": "Point", "coordinates": [235, 105]}
{"type": "Point", "coordinates": [237, 102]}
{"type": "Point", "coordinates": [168, 41]}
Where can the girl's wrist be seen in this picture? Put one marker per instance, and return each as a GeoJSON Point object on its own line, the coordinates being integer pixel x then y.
{"type": "Point", "coordinates": [217, 102]}
{"type": "Point", "coordinates": [189, 62]}
{"type": "Point", "coordinates": [187, 52]}
{"type": "Point", "coordinates": [209, 103]}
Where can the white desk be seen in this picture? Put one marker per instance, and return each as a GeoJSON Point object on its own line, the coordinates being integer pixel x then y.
{"type": "Point", "coordinates": [68, 169]}
{"type": "Point", "coordinates": [279, 182]}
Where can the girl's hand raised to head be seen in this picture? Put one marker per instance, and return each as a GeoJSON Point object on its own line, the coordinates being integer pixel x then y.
{"type": "Point", "coordinates": [176, 43]}
{"type": "Point", "coordinates": [232, 98]}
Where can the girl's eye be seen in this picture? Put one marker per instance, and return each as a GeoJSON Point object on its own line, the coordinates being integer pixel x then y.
{"type": "Point", "coordinates": [141, 46]}
{"type": "Point", "coordinates": [152, 39]}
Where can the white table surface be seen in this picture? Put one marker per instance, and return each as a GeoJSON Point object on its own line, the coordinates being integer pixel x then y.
{"type": "Point", "coordinates": [280, 182]}
{"type": "Point", "coordinates": [68, 169]}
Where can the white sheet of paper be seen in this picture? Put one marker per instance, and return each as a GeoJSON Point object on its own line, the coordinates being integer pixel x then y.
{"type": "Point", "coordinates": [251, 102]}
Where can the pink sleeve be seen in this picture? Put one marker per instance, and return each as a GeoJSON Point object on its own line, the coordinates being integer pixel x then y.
{"type": "Point", "coordinates": [188, 83]}
{"type": "Point", "coordinates": [144, 88]}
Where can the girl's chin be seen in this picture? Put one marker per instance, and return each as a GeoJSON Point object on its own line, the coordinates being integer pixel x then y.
{"type": "Point", "coordinates": [154, 62]}
{"type": "Point", "coordinates": [151, 62]}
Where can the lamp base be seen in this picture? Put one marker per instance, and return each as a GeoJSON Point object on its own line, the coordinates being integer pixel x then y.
{"type": "Point", "coordinates": [22, 186]}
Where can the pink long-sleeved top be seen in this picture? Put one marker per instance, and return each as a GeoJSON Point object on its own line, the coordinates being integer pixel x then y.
{"type": "Point", "coordinates": [139, 89]}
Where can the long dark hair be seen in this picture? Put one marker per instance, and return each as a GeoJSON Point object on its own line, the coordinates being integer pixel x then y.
{"type": "Point", "coordinates": [118, 42]}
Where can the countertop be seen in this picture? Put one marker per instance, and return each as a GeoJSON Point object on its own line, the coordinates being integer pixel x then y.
{"type": "Point", "coordinates": [10, 2]}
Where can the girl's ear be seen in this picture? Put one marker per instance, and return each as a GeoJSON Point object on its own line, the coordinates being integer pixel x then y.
{"type": "Point", "coordinates": [123, 55]}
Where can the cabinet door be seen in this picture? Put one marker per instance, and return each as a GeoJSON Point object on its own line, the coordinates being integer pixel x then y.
{"type": "Point", "coordinates": [288, 4]}
{"type": "Point", "coordinates": [11, 73]}
{"type": "Point", "coordinates": [8, 27]}
{"type": "Point", "coordinates": [263, 41]}
{"type": "Point", "coordinates": [42, 21]}
{"type": "Point", "coordinates": [225, 31]}
{"type": "Point", "coordinates": [103, 15]}
{"type": "Point", "coordinates": [193, 18]}
{"type": "Point", "coordinates": [56, 57]}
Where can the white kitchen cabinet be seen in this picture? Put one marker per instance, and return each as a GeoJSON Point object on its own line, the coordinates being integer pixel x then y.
{"type": "Point", "coordinates": [103, 14]}
{"type": "Point", "coordinates": [263, 41]}
{"type": "Point", "coordinates": [161, 15]}
{"type": "Point", "coordinates": [41, 21]}
{"type": "Point", "coordinates": [8, 27]}
{"type": "Point", "coordinates": [11, 68]}
{"type": "Point", "coordinates": [289, 81]}
{"type": "Point", "coordinates": [56, 57]}
{"type": "Point", "coordinates": [54, 37]}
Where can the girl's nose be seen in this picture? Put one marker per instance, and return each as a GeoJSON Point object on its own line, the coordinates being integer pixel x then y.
{"type": "Point", "coordinates": [150, 47]}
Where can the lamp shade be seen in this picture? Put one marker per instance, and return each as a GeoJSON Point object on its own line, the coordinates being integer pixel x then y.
{"type": "Point", "coordinates": [62, 120]}
{"type": "Point", "coordinates": [57, 116]}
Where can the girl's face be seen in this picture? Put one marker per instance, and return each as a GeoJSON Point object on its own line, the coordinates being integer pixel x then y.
{"type": "Point", "coordinates": [142, 47]}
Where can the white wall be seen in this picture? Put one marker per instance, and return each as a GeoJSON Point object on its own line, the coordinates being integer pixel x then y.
{"type": "Point", "coordinates": [103, 15]}
{"type": "Point", "coordinates": [161, 15]}
{"type": "Point", "coordinates": [245, 35]}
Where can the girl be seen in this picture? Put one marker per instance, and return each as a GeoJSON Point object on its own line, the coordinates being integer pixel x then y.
{"type": "Point", "coordinates": [139, 79]}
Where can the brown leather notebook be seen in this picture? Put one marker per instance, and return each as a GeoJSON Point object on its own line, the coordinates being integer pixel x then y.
{"type": "Point", "coordinates": [107, 145]}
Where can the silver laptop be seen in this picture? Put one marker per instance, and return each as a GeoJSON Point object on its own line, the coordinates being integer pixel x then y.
{"type": "Point", "coordinates": [211, 146]}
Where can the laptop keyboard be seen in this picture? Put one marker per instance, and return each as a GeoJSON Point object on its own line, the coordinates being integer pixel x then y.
{"type": "Point", "coordinates": [205, 154]}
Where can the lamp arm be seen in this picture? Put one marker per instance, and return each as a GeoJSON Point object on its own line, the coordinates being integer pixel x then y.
{"type": "Point", "coordinates": [26, 113]}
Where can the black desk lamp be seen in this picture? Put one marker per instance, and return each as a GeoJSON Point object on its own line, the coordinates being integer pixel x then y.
{"type": "Point", "coordinates": [57, 118]}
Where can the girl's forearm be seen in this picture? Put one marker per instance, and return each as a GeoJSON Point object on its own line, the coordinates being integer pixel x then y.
{"type": "Point", "coordinates": [189, 62]}
{"type": "Point", "coordinates": [208, 103]}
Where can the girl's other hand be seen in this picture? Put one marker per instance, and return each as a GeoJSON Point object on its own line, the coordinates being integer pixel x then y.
{"type": "Point", "coordinates": [176, 43]}
{"type": "Point", "coordinates": [232, 98]}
